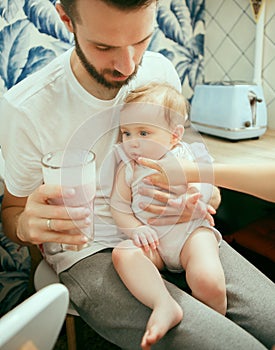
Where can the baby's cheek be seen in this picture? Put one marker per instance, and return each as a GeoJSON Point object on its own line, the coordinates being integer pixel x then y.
{"type": "Point", "coordinates": [155, 150]}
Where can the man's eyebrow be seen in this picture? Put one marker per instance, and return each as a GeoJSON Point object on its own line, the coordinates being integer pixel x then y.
{"type": "Point", "coordinates": [114, 47]}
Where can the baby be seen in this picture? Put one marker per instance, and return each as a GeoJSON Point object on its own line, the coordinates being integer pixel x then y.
{"type": "Point", "coordinates": [152, 125]}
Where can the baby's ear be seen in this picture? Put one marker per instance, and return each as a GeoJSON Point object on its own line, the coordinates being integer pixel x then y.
{"type": "Point", "coordinates": [177, 133]}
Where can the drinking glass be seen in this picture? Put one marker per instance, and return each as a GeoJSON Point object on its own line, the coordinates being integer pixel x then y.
{"type": "Point", "coordinates": [73, 168]}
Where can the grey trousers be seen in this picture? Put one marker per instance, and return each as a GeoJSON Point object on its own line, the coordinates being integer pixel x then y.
{"type": "Point", "coordinates": [105, 304]}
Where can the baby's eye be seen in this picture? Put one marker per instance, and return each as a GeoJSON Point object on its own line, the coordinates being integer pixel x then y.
{"type": "Point", "coordinates": [144, 133]}
{"type": "Point", "coordinates": [126, 133]}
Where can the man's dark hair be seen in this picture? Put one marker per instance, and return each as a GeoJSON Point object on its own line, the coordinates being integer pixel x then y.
{"type": "Point", "coordinates": [69, 6]}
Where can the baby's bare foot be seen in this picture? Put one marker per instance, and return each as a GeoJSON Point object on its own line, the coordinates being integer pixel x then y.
{"type": "Point", "coordinates": [163, 318]}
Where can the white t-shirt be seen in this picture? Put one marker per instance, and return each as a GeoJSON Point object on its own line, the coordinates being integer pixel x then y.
{"type": "Point", "coordinates": [49, 110]}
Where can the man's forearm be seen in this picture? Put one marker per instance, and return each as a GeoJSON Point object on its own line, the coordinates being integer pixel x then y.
{"type": "Point", "coordinates": [257, 180]}
{"type": "Point", "coordinates": [10, 217]}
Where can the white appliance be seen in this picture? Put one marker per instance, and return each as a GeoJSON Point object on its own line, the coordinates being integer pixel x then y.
{"type": "Point", "coordinates": [231, 110]}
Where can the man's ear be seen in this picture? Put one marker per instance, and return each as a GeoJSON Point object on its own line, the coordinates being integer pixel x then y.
{"type": "Point", "coordinates": [64, 17]}
{"type": "Point", "coordinates": [177, 134]}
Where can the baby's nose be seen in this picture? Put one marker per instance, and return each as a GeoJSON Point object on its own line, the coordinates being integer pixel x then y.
{"type": "Point", "coordinates": [134, 143]}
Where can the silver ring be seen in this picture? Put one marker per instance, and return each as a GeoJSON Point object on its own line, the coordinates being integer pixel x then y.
{"type": "Point", "coordinates": [49, 221]}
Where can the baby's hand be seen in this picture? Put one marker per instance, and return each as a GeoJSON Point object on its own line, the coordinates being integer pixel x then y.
{"type": "Point", "coordinates": [144, 236]}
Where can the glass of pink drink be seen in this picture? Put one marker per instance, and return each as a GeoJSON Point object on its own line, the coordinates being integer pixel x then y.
{"type": "Point", "coordinates": [73, 168]}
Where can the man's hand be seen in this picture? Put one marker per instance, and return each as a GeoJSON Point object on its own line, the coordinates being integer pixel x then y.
{"type": "Point", "coordinates": [41, 222]}
{"type": "Point", "coordinates": [176, 210]}
{"type": "Point", "coordinates": [173, 171]}
{"type": "Point", "coordinates": [192, 203]}
{"type": "Point", "coordinates": [172, 184]}
{"type": "Point", "coordinates": [170, 171]}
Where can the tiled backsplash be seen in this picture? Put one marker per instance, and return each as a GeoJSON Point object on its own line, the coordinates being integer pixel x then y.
{"type": "Point", "coordinates": [230, 46]}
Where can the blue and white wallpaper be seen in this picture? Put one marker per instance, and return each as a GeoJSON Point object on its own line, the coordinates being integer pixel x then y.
{"type": "Point", "coordinates": [180, 37]}
{"type": "Point", "coordinates": [31, 35]}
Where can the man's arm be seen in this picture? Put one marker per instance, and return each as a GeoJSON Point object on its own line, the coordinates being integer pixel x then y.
{"type": "Point", "coordinates": [12, 207]}
{"type": "Point", "coordinates": [256, 180]}
{"type": "Point", "coordinates": [238, 177]}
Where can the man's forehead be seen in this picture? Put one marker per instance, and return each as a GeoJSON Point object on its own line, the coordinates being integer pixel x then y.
{"type": "Point", "coordinates": [109, 26]}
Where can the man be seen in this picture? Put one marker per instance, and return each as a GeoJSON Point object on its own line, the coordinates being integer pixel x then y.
{"type": "Point", "coordinates": [46, 112]}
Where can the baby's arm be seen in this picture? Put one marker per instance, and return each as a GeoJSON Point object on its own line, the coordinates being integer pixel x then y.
{"type": "Point", "coordinates": [124, 217]}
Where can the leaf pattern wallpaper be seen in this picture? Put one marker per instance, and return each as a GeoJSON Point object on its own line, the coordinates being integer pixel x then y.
{"type": "Point", "coordinates": [31, 35]}
{"type": "Point", "coordinates": [180, 37]}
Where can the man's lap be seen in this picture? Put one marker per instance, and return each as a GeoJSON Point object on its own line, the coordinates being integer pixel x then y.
{"type": "Point", "coordinates": [107, 306]}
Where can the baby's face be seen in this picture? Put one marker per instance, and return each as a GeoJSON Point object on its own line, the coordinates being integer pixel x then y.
{"type": "Point", "coordinates": [145, 132]}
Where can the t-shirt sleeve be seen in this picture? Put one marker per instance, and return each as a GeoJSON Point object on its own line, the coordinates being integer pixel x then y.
{"type": "Point", "coordinates": [20, 149]}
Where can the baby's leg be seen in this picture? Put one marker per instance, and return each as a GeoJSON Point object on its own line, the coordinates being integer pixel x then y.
{"type": "Point", "coordinates": [142, 278]}
{"type": "Point", "coordinates": [204, 272]}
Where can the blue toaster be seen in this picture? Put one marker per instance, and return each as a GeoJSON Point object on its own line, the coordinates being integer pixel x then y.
{"type": "Point", "coordinates": [230, 110]}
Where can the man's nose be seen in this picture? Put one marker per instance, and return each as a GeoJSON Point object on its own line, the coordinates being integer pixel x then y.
{"type": "Point", "coordinates": [125, 63]}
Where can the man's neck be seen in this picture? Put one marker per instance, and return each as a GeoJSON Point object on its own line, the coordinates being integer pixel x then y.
{"type": "Point", "coordinates": [89, 83]}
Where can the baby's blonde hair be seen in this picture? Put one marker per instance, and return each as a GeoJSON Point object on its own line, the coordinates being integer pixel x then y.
{"type": "Point", "coordinates": [165, 95]}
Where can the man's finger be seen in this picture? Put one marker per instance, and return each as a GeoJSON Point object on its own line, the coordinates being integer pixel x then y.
{"type": "Point", "coordinates": [194, 198]}
{"type": "Point", "coordinates": [154, 194]}
{"type": "Point", "coordinates": [149, 163]}
{"type": "Point", "coordinates": [164, 220]}
{"type": "Point", "coordinates": [158, 180]}
{"type": "Point", "coordinates": [210, 219]}
{"type": "Point", "coordinates": [53, 191]}
{"type": "Point", "coordinates": [154, 209]}
{"type": "Point", "coordinates": [211, 210]}
{"type": "Point", "coordinates": [161, 210]}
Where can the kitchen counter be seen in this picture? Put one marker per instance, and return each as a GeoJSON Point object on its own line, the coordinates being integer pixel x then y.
{"type": "Point", "coordinates": [226, 151]}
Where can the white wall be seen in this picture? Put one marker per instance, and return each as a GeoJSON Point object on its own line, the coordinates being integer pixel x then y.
{"type": "Point", "coordinates": [230, 46]}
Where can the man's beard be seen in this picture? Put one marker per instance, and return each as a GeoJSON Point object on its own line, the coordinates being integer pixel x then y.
{"type": "Point", "coordinates": [99, 78]}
